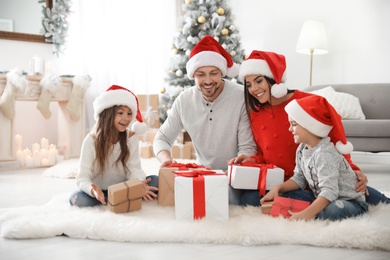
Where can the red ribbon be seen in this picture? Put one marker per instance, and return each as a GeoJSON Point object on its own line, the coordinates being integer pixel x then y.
{"type": "Point", "coordinates": [263, 168]}
{"type": "Point", "coordinates": [199, 189]}
{"type": "Point", "coordinates": [185, 166]}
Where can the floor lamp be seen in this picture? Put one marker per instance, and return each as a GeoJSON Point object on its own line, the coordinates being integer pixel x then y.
{"type": "Point", "coordinates": [312, 40]}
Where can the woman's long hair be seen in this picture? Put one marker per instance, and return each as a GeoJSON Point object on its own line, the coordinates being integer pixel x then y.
{"type": "Point", "coordinates": [106, 135]}
{"type": "Point", "coordinates": [251, 103]}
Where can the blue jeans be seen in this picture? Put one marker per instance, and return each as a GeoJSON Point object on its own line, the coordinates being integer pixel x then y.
{"type": "Point", "coordinates": [336, 210]}
{"type": "Point", "coordinates": [81, 199]}
{"type": "Point", "coordinates": [252, 198]}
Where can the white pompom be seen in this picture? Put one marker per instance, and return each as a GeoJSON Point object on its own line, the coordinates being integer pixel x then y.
{"type": "Point", "coordinates": [139, 128]}
{"type": "Point", "coordinates": [233, 70]}
{"type": "Point", "coordinates": [344, 148]}
{"type": "Point", "coordinates": [279, 90]}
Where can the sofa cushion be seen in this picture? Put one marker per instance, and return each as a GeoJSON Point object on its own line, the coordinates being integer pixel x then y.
{"type": "Point", "coordinates": [367, 128]}
{"type": "Point", "coordinates": [347, 105]}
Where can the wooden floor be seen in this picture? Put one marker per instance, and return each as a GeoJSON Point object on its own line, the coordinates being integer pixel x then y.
{"type": "Point", "coordinates": [28, 187]}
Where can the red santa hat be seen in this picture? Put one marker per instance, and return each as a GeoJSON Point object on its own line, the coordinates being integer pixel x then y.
{"type": "Point", "coordinates": [268, 64]}
{"type": "Point", "coordinates": [320, 118]}
{"type": "Point", "coordinates": [208, 52]}
{"type": "Point", "coordinates": [120, 96]}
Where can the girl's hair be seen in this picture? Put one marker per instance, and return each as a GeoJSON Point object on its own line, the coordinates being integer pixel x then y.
{"type": "Point", "coordinates": [106, 135]}
{"type": "Point", "coordinates": [251, 103]}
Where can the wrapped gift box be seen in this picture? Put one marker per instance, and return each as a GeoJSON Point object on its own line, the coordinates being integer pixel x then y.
{"type": "Point", "coordinates": [148, 105]}
{"type": "Point", "coordinates": [266, 207]}
{"type": "Point", "coordinates": [201, 196]}
{"type": "Point", "coordinates": [181, 151]}
{"type": "Point", "coordinates": [145, 150]}
{"type": "Point", "coordinates": [251, 176]}
{"type": "Point", "coordinates": [166, 182]}
{"type": "Point", "coordinates": [125, 196]}
{"type": "Point", "coordinates": [281, 206]}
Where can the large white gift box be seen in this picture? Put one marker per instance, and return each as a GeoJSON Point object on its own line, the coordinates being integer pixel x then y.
{"type": "Point", "coordinates": [202, 196]}
{"type": "Point", "coordinates": [261, 177]}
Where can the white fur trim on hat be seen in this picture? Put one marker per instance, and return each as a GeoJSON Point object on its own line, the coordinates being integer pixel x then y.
{"type": "Point", "coordinates": [112, 98]}
{"type": "Point", "coordinates": [256, 67]}
{"type": "Point", "coordinates": [279, 90]}
{"type": "Point", "coordinates": [139, 128]}
{"type": "Point", "coordinates": [207, 58]}
{"type": "Point", "coordinates": [344, 148]}
{"type": "Point", "coordinates": [296, 112]}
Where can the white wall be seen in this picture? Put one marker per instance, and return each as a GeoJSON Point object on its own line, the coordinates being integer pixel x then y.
{"type": "Point", "coordinates": [357, 30]}
{"type": "Point", "coordinates": [358, 37]}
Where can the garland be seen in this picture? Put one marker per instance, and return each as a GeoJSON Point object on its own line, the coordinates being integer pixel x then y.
{"type": "Point", "coordinates": [55, 25]}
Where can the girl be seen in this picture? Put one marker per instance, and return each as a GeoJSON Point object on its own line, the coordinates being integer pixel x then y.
{"type": "Point", "coordinates": [266, 95]}
{"type": "Point", "coordinates": [109, 154]}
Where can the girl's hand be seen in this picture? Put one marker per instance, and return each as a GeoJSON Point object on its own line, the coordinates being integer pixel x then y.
{"type": "Point", "coordinates": [269, 196]}
{"type": "Point", "coordinates": [98, 193]}
{"type": "Point", "coordinates": [148, 194]}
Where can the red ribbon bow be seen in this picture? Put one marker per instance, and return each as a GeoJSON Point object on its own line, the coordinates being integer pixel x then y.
{"type": "Point", "coordinates": [185, 166]}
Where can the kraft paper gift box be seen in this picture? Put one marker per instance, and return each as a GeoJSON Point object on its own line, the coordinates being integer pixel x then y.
{"type": "Point", "coordinates": [266, 207]}
{"type": "Point", "coordinates": [166, 182]}
{"type": "Point", "coordinates": [281, 206]}
{"type": "Point", "coordinates": [145, 150]}
{"type": "Point", "coordinates": [202, 196]}
{"type": "Point", "coordinates": [125, 196]}
{"type": "Point", "coordinates": [181, 151]}
{"type": "Point", "coordinates": [146, 100]}
{"type": "Point", "coordinates": [252, 176]}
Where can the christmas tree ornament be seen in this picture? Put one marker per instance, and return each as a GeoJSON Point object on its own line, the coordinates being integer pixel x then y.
{"type": "Point", "coordinates": [15, 82]}
{"type": "Point", "coordinates": [201, 19]}
{"type": "Point", "coordinates": [80, 85]}
{"type": "Point", "coordinates": [188, 2]}
{"type": "Point", "coordinates": [174, 51]}
{"type": "Point", "coordinates": [162, 91]}
{"type": "Point", "coordinates": [233, 53]}
{"type": "Point", "coordinates": [224, 31]}
{"type": "Point", "coordinates": [179, 73]}
{"type": "Point", "coordinates": [232, 28]}
{"type": "Point", "coordinates": [49, 85]}
{"type": "Point", "coordinates": [220, 11]}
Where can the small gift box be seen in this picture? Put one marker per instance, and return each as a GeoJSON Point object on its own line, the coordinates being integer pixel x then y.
{"type": "Point", "coordinates": [201, 194]}
{"type": "Point", "coordinates": [166, 182]}
{"type": "Point", "coordinates": [281, 206]}
{"type": "Point", "coordinates": [125, 196]}
{"type": "Point", "coordinates": [266, 207]}
{"type": "Point", "coordinates": [181, 151]}
{"type": "Point", "coordinates": [148, 105]}
{"type": "Point", "coordinates": [253, 176]}
{"type": "Point", "coordinates": [145, 150]}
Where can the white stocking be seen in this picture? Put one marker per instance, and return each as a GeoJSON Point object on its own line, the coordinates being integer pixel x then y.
{"type": "Point", "coordinates": [7, 100]}
{"type": "Point", "coordinates": [80, 84]}
{"type": "Point", "coordinates": [49, 84]}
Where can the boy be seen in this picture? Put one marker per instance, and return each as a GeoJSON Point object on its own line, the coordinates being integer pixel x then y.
{"type": "Point", "coordinates": [317, 127]}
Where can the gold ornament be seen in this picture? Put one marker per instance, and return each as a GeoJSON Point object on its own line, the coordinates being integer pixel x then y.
{"type": "Point", "coordinates": [188, 2]}
{"type": "Point", "coordinates": [201, 19]}
{"type": "Point", "coordinates": [224, 31]}
{"type": "Point", "coordinates": [162, 91]}
{"type": "Point", "coordinates": [220, 11]}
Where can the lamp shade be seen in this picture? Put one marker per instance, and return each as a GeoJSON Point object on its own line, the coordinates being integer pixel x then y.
{"type": "Point", "coordinates": [312, 37]}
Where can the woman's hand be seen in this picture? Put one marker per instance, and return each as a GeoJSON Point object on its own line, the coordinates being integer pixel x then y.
{"type": "Point", "coordinates": [97, 193]}
{"type": "Point", "coordinates": [362, 184]}
{"type": "Point", "coordinates": [148, 194]}
{"type": "Point", "coordinates": [240, 159]}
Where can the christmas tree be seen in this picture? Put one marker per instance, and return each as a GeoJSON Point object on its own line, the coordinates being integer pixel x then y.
{"type": "Point", "coordinates": [201, 17]}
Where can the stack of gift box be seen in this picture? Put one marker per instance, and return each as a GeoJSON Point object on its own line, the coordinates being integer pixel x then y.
{"type": "Point", "coordinates": [183, 147]}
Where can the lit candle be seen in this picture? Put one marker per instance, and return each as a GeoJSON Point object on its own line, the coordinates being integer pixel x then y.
{"type": "Point", "coordinates": [37, 65]}
{"type": "Point", "coordinates": [37, 159]}
{"type": "Point", "coordinates": [45, 162]}
{"type": "Point", "coordinates": [26, 152]}
{"type": "Point", "coordinates": [35, 148]}
{"type": "Point", "coordinates": [18, 141]}
{"type": "Point", "coordinates": [29, 161]}
{"type": "Point", "coordinates": [44, 143]}
{"type": "Point", "coordinates": [51, 156]}
{"type": "Point", "coordinates": [20, 157]}
{"type": "Point", "coordinates": [43, 153]}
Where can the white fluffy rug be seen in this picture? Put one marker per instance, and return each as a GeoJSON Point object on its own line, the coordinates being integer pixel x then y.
{"type": "Point", "coordinates": [246, 226]}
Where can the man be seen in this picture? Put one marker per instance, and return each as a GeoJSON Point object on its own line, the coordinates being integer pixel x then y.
{"type": "Point", "coordinates": [212, 112]}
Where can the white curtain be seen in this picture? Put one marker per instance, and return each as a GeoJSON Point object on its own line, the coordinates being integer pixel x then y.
{"type": "Point", "coordinates": [123, 42]}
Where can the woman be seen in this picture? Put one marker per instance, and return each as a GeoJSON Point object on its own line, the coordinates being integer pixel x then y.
{"type": "Point", "coordinates": [266, 96]}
